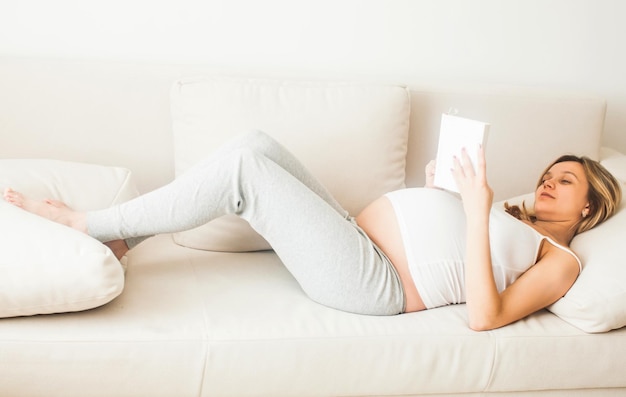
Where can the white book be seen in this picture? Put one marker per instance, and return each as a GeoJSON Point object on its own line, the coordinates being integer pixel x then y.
{"type": "Point", "coordinates": [457, 133]}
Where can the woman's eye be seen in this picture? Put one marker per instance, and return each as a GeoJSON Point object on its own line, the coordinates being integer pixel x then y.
{"type": "Point", "coordinates": [565, 181]}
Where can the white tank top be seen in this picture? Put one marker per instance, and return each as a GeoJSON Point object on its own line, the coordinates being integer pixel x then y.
{"type": "Point", "coordinates": [432, 225]}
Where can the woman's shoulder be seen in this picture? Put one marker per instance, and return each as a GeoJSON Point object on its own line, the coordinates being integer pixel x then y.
{"type": "Point", "coordinates": [562, 254]}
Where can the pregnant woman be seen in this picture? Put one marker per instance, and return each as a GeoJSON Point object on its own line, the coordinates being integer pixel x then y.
{"type": "Point", "coordinates": [409, 250]}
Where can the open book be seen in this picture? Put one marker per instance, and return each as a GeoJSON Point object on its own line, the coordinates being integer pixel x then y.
{"type": "Point", "coordinates": [457, 133]}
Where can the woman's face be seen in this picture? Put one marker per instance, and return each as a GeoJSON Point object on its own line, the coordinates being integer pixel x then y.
{"type": "Point", "coordinates": [562, 195]}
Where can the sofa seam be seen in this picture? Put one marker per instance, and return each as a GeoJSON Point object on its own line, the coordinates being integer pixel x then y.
{"type": "Point", "coordinates": [205, 331]}
{"type": "Point", "coordinates": [492, 370]}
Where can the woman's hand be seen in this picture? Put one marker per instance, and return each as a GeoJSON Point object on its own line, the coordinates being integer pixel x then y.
{"type": "Point", "coordinates": [472, 183]}
{"type": "Point", "coordinates": [429, 171]}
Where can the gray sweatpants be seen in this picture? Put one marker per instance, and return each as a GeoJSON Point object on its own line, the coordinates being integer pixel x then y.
{"type": "Point", "coordinates": [257, 179]}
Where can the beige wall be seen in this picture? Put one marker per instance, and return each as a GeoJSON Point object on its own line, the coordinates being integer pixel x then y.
{"type": "Point", "coordinates": [570, 45]}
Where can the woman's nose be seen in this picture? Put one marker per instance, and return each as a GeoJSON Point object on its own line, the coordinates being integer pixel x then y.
{"type": "Point", "coordinates": [548, 183]}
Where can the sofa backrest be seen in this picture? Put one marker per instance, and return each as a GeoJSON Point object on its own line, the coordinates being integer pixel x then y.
{"type": "Point", "coordinates": [119, 114]}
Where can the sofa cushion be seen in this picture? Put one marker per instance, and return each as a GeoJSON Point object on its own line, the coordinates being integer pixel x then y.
{"type": "Point", "coordinates": [353, 138]}
{"type": "Point", "coordinates": [46, 267]}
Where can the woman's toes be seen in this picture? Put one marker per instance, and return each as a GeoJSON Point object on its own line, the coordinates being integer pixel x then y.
{"type": "Point", "coordinates": [13, 197]}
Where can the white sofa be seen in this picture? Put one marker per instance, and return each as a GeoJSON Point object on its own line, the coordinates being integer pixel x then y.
{"type": "Point", "coordinates": [181, 321]}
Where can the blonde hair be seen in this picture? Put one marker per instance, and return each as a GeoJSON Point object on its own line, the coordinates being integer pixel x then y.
{"type": "Point", "coordinates": [605, 194]}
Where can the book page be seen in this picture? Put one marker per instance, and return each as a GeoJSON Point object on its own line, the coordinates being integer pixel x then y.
{"type": "Point", "coordinates": [457, 133]}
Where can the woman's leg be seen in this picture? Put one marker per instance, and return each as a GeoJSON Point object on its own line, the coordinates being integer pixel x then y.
{"type": "Point", "coordinates": [333, 260]}
{"type": "Point", "coordinates": [261, 143]}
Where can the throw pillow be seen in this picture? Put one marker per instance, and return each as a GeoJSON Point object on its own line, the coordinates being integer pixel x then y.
{"type": "Point", "coordinates": [353, 138]}
{"type": "Point", "coordinates": [46, 267]}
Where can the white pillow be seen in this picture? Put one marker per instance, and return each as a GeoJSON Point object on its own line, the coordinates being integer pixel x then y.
{"type": "Point", "coordinates": [353, 138]}
{"type": "Point", "coordinates": [46, 267]}
{"type": "Point", "coordinates": [49, 268]}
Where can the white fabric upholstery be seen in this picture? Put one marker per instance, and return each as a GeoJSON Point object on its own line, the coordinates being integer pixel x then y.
{"type": "Point", "coordinates": [323, 124]}
{"type": "Point", "coordinates": [46, 267]}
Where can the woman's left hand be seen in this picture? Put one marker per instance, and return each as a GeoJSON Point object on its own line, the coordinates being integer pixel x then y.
{"type": "Point", "coordinates": [472, 183]}
{"type": "Point", "coordinates": [429, 173]}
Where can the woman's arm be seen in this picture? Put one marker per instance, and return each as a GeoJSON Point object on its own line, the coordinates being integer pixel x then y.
{"type": "Point", "coordinates": [482, 297]}
{"type": "Point", "coordinates": [547, 281]}
{"type": "Point", "coordinates": [542, 285]}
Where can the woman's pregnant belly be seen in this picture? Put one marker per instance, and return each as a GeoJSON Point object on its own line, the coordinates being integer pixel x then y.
{"type": "Point", "coordinates": [379, 221]}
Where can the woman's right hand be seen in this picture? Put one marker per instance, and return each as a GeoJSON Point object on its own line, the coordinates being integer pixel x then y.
{"type": "Point", "coordinates": [475, 192]}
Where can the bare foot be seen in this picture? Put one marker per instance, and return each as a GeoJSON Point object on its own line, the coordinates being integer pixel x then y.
{"type": "Point", "coordinates": [50, 209]}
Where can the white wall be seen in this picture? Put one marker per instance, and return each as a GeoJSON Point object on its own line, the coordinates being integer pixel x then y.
{"type": "Point", "coordinates": [573, 45]}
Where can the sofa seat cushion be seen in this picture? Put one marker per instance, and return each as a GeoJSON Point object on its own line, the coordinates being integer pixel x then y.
{"type": "Point", "coordinates": [46, 267]}
{"type": "Point", "coordinates": [353, 138]}
{"type": "Point", "coordinates": [263, 329]}
{"type": "Point", "coordinates": [239, 324]}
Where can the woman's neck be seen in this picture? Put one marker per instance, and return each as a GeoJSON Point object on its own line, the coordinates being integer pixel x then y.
{"type": "Point", "coordinates": [561, 232]}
